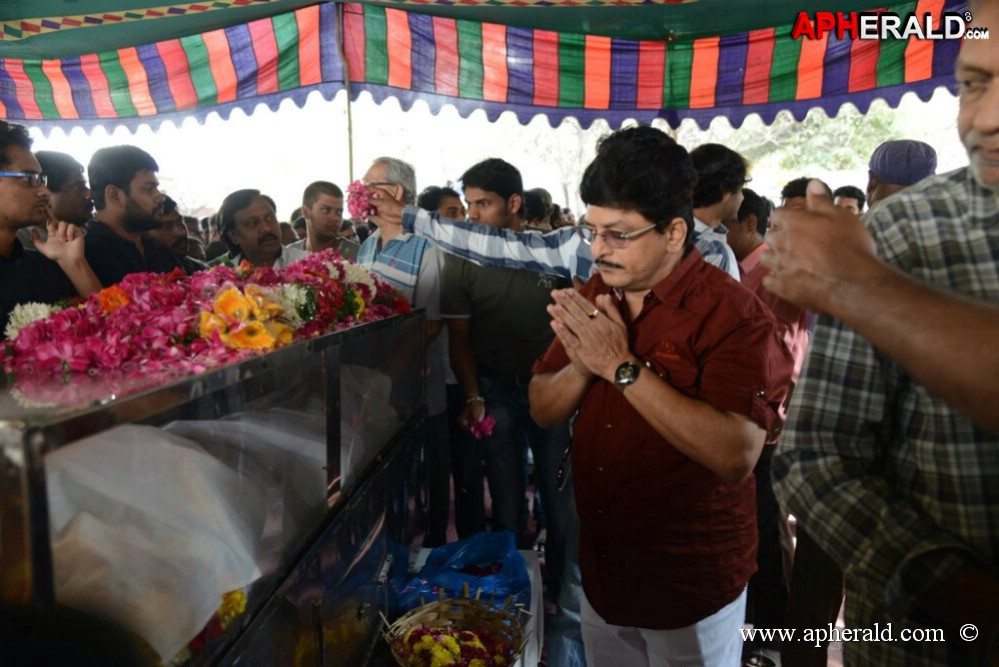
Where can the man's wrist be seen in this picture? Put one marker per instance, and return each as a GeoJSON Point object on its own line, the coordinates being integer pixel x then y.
{"type": "Point", "coordinates": [474, 398]}
{"type": "Point", "coordinates": [68, 264]}
{"type": "Point", "coordinates": [625, 372]}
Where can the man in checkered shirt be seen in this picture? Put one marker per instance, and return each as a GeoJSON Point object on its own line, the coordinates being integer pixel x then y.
{"type": "Point", "coordinates": [890, 457]}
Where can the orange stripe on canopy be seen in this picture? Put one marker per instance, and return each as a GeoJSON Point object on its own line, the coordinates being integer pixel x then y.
{"type": "Point", "coordinates": [309, 65]}
{"type": "Point", "coordinates": [495, 78]}
{"type": "Point", "coordinates": [62, 93]}
{"type": "Point", "coordinates": [138, 82]}
{"type": "Point", "coordinates": [704, 72]}
{"type": "Point", "coordinates": [100, 90]}
{"type": "Point", "coordinates": [178, 74]}
{"type": "Point", "coordinates": [400, 49]}
{"type": "Point", "coordinates": [220, 63]}
{"type": "Point", "coordinates": [598, 72]}
{"type": "Point", "coordinates": [919, 52]}
{"type": "Point", "coordinates": [811, 68]}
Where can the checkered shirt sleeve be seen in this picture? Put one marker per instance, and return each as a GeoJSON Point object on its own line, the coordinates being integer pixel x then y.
{"type": "Point", "coordinates": [894, 484]}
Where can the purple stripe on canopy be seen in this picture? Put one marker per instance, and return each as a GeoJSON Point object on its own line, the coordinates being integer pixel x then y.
{"type": "Point", "coordinates": [156, 75]}
{"type": "Point", "coordinates": [329, 57]}
{"type": "Point", "coordinates": [945, 51]}
{"type": "Point", "coordinates": [836, 65]}
{"type": "Point", "coordinates": [80, 87]}
{"type": "Point", "coordinates": [624, 74]}
{"type": "Point", "coordinates": [421, 27]}
{"type": "Point", "coordinates": [7, 94]}
{"type": "Point", "coordinates": [243, 59]}
{"type": "Point", "coordinates": [520, 65]}
{"type": "Point", "coordinates": [732, 51]}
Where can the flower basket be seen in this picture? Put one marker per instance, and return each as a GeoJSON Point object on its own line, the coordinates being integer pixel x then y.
{"type": "Point", "coordinates": [465, 631]}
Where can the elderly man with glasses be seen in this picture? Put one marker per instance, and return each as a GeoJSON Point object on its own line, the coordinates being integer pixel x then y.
{"type": "Point", "coordinates": [676, 373]}
{"type": "Point", "coordinates": [59, 269]}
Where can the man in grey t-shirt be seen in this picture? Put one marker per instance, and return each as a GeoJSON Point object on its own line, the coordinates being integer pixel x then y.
{"type": "Point", "coordinates": [499, 325]}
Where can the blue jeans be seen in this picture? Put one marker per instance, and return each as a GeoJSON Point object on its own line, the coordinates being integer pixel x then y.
{"type": "Point", "coordinates": [565, 637]}
{"type": "Point", "coordinates": [503, 453]}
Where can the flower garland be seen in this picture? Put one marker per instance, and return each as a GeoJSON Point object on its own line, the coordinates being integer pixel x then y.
{"type": "Point", "coordinates": [153, 324]}
{"type": "Point", "coordinates": [425, 646]}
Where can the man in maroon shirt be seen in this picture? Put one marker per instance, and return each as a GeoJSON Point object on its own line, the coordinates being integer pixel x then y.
{"type": "Point", "coordinates": [677, 372]}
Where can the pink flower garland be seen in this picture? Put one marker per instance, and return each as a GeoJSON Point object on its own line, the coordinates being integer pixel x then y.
{"type": "Point", "coordinates": [147, 325]}
{"type": "Point", "coordinates": [358, 206]}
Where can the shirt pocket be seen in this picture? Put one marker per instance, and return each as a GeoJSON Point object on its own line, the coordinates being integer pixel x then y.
{"type": "Point", "coordinates": [674, 364]}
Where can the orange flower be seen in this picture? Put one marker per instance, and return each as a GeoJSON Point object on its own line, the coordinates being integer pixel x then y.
{"type": "Point", "coordinates": [112, 298]}
{"type": "Point", "coordinates": [232, 305]}
{"type": "Point", "coordinates": [252, 336]}
{"type": "Point", "coordinates": [210, 322]}
{"type": "Point", "coordinates": [282, 333]}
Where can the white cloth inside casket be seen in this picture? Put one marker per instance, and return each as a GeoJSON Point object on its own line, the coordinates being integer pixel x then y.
{"type": "Point", "coordinates": [367, 418]}
{"type": "Point", "coordinates": [146, 529]}
{"type": "Point", "coordinates": [285, 450]}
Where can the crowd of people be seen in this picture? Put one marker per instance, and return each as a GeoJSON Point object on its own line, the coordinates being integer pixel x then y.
{"type": "Point", "coordinates": [687, 365]}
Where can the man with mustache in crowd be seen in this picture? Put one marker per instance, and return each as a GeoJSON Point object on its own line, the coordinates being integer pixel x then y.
{"type": "Point", "coordinates": [249, 227]}
{"type": "Point", "coordinates": [676, 372]}
{"type": "Point", "coordinates": [128, 202]}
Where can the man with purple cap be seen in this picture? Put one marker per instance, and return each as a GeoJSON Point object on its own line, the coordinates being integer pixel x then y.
{"type": "Point", "coordinates": [895, 165]}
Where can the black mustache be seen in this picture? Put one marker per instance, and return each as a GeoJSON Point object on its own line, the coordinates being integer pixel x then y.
{"type": "Point", "coordinates": [600, 262]}
{"type": "Point", "coordinates": [267, 237]}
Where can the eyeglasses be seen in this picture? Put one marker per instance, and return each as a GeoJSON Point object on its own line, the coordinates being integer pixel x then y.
{"type": "Point", "coordinates": [34, 178]}
{"type": "Point", "coordinates": [612, 239]}
{"type": "Point", "coordinates": [562, 473]}
{"type": "Point", "coordinates": [79, 187]}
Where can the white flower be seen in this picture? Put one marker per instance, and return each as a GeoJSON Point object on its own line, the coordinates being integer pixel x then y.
{"type": "Point", "coordinates": [289, 297]}
{"type": "Point", "coordinates": [358, 275]}
{"type": "Point", "coordinates": [26, 313]}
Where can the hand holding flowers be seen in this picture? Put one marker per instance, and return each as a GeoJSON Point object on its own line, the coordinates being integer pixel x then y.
{"type": "Point", "coordinates": [358, 206]}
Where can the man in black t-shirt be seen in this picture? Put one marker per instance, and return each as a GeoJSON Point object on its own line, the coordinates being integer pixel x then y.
{"type": "Point", "coordinates": [128, 202]}
{"type": "Point", "coordinates": [58, 270]}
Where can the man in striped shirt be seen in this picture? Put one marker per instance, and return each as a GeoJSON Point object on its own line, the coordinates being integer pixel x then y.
{"type": "Point", "coordinates": [413, 266]}
{"type": "Point", "coordinates": [561, 251]}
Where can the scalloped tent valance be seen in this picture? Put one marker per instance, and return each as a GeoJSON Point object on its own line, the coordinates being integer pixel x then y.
{"type": "Point", "coordinates": [424, 52]}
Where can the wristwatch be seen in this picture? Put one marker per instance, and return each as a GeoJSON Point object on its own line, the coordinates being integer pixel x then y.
{"type": "Point", "coordinates": [626, 374]}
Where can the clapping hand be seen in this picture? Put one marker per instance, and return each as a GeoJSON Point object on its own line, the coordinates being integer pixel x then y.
{"type": "Point", "coordinates": [593, 335]}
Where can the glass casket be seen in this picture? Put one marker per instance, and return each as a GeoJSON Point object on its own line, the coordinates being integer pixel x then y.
{"type": "Point", "coordinates": [245, 515]}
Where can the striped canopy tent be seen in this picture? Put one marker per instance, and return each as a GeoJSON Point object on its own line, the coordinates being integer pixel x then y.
{"type": "Point", "coordinates": [587, 59]}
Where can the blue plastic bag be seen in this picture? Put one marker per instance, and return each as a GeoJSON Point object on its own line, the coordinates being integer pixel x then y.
{"type": "Point", "coordinates": [486, 561]}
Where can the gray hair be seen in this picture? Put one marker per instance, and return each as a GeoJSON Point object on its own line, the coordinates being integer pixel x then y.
{"type": "Point", "coordinates": [400, 172]}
